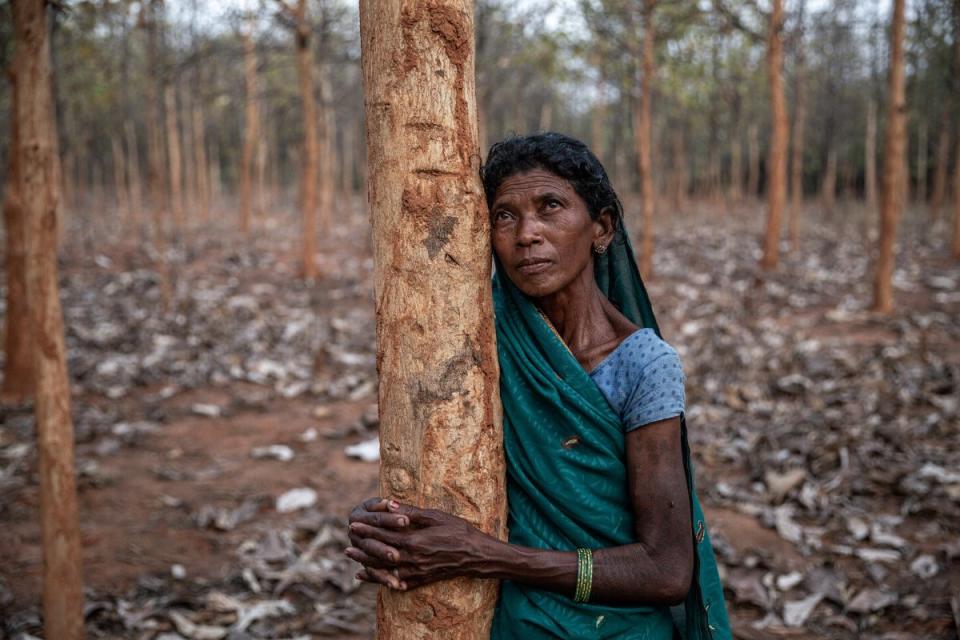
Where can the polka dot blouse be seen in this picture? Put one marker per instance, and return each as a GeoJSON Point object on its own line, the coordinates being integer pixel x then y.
{"type": "Point", "coordinates": [642, 380]}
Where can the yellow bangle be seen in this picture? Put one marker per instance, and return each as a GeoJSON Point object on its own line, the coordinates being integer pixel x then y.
{"type": "Point", "coordinates": [584, 575]}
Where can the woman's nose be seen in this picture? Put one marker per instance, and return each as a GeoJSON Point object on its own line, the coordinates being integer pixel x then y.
{"type": "Point", "coordinates": [528, 231]}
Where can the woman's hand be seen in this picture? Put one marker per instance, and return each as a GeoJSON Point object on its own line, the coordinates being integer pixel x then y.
{"type": "Point", "coordinates": [403, 547]}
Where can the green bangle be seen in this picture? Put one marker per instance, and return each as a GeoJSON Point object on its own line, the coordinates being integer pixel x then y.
{"type": "Point", "coordinates": [584, 575]}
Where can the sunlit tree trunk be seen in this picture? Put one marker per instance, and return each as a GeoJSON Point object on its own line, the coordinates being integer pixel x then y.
{"type": "Point", "coordinates": [891, 201]}
{"type": "Point", "coordinates": [17, 337]}
{"type": "Point", "coordinates": [39, 188]}
{"type": "Point", "coordinates": [753, 161]}
{"type": "Point", "coordinates": [940, 170]}
{"type": "Point", "coordinates": [870, 155]}
{"type": "Point", "coordinates": [777, 158]}
{"type": "Point", "coordinates": [251, 131]}
{"type": "Point", "coordinates": [643, 134]}
{"type": "Point", "coordinates": [311, 147]}
{"type": "Point", "coordinates": [435, 339]}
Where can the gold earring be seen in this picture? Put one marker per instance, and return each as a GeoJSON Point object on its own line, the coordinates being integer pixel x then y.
{"type": "Point", "coordinates": [600, 250]}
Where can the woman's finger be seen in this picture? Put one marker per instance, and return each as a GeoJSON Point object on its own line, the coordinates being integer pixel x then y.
{"type": "Point", "coordinates": [381, 576]}
{"type": "Point", "coordinates": [358, 555]}
{"type": "Point", "coordinates": [417, 516]}
{"type": "Point", "coordinates": [392, 538]}
{"type": "Point", "coordinates": [383, 553]}
{"type": "Point", "coordinates": [382, 519]}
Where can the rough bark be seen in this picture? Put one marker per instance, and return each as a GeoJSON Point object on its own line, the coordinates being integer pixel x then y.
{"type": "Point", "coordinates": [251, 131]}
{"type": "Point", "coordinates": [643, 135]}
{"type": "Point", "coordinates": [440, 425]}
{"type": "Point", "coordinates": [17, 336]}
{"type": "Point", "coordinates": [311, 147]}
{"type": "Point", "coordinates": [173, 153]}
{"type": "Point", "coordinates": [40, 192]}
{"type": "Point", "coordinates": [870, 155]}
{"type": "Point", "coordinates": [777, 158]}
{"type": "Point", "coordinates": [891, 201]}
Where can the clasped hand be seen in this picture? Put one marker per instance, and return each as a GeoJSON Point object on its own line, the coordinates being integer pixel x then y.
{"type": "Point", "coordinates": [403, 547]}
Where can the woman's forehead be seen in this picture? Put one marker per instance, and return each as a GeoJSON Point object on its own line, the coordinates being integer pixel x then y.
{"type": "Point", "coordinates": [531, 183]}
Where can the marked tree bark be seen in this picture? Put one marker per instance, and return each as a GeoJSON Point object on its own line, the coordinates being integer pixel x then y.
{"type": "Point", "coordinates": [251, 130]}
{"type": "Point", "coordinates": [17, 336]}
{"type": "Point", "coordinates": [891, 198]}
{"type": "Point", "coordinates": [440, 415]}
{"type": "Point", "coordinates": [777, 158]}
{"type": "Point", "coordinates": [40, 191]}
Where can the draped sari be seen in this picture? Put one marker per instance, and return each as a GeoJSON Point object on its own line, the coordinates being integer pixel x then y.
{"type": "Point", "coordinates": [562, 497]}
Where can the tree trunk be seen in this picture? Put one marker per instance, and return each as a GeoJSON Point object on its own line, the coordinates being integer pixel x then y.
{"type": "Point", "coordinates": [643, 134]}
{"type": "Point", "coordinates": [17, 335]}
{"type": "Point", "coordinates": [828, 188]}
{"type": "Point", "coordinates": [956, 201]}
{"type": "Point", "coordinates": [189, 170]}
{"type": "Point", "coordinates": [133, 178]}
{"type": "Point", "coordinates": [325, 144]}
{"type": "Point", "coordinates": [173, 151]}
{"type": "Point", "coordinates": [940, 170]}
{"type": "Point", "coordinates": [200, 160]}
{"type": "Point", "coordinates": [891, 201]}
{"type": "Point", "coordinates": [799, 124]}
{"type": "Point", "coordinates": [920, 193]}
{"type": "Point", "coordinates": [753, 161]}
{"type": "Point", "coordinates": [120, 192]}
{"type": "Point", "coordinates": [736, 162]}
{"type": "Point", "coordinates": [156, 177]}
{"type": "Point", "coordinates": [777, 158]}
{"type": "Point", "coordinates": [870, 155]}
{"type": "Point", "coordinates": [40, 191]}
{"type": "Point", "coordinates": [679, 178]}
{"type": "Point", "coordinates": [250, 131]}
{"type": "Point", "coordinates": [311, 151]}
{"type": "Point", "coordinates": [440, 416]}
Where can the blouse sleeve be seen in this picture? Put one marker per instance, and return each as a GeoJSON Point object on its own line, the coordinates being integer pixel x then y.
{"type": "Point", "coordinates": [658, 393]}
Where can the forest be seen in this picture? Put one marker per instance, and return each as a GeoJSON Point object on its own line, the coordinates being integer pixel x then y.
{"type": "Point", "coordinates": [194, 392]}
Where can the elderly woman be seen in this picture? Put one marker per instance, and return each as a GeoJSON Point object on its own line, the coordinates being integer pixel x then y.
{"type": "Point", "coordinates": [607, 538]}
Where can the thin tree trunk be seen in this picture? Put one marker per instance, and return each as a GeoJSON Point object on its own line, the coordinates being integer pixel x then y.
{"type": "Point", "coordinates": [250, 131]}
{"type": "Point", "coordinates": [753, 161]}
{"type": "Point", "coordinates": [940, 170]}
{"type": "Point", "coordinates": [189, 169]}
{"type": "Point", "coordinates": [120, 191]}
{"type": "Point", "coordinates": [433, 299]}
{"type": "Point", "coordinates": [828, 188]}
{"type": "Point", "coordinates": [643, 135]}
{"type": "Point", "coordinates": [956, 201]}
{"type": "Point", "coordinates": [777, 158]}
{"type": "Point", "coordinates": [870, 155]}
{"type": "Point", "coordinates": [173, 151]}
{"type": "Point", "coordinates": [17, 336]}
{"type": "Point", "coordinates": [891, 202]}
{"type": "Point", "coordinates": [326, 150]}
{"type": "Point", "coordinates": [920, 193]}
{"type": "Point", "coordinates": [799, 133]}
{"type": "Point", "coordinates": [40, 192]}
{"type": "Point", "coordinates": [200, 160]}
{"type": "Point", "coordinates": [133, 177]}
{"type": "Point", "coordinates": [311, 152]}
{"type": "Point", "coordinates": [679, 178]}
{"type": "Point", "coordinates": [736, 162]}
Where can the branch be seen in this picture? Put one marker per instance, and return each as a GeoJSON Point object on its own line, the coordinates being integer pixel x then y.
{"type": "Point", "coordinates": [733, 20]}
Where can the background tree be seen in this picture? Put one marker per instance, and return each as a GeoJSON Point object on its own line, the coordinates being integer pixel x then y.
{"type": "Point", "coordinates": [892, 198]}
{"type": "Point", "coordinates": [39, 186]}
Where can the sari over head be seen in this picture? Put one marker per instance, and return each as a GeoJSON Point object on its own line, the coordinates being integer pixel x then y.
{"type": "Point", "coordinates": [567, 482]}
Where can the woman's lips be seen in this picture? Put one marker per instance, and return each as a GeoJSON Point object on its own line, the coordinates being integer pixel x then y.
{"type": "Point", "coordinates": [532, 267]}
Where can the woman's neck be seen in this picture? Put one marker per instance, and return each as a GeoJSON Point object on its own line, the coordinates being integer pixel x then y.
{"type": "Point", "coordinates": [579, 314]}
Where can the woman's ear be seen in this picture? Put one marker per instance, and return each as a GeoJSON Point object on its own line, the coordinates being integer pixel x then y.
{"type": "Point", "coordinates": [604, 228]}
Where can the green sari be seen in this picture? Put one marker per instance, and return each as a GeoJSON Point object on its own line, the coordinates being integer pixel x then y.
{"type": "Point", "coordinates": [563, 497]}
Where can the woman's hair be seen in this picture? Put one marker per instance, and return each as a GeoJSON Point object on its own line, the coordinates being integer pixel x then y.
{"type": "Point", "coordinates": [559, 154]}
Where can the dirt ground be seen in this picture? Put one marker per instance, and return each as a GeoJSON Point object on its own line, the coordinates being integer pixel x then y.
{"type": "Point", "coordinates": [176, 505]}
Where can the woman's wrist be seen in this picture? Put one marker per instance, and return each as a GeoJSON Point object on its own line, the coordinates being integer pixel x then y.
{"type": "Point", "coordinates": [493, 558]}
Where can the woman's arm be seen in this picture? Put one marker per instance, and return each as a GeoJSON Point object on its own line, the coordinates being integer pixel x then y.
{"type": "Point", "coordinates": [403, 546]}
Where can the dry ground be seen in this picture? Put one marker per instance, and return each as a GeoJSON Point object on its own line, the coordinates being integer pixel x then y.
{"type": "Point", "coordinates": [820, 431]}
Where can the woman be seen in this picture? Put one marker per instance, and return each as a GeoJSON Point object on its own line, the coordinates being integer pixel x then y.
{"type": "Point", "coordinates": [607, 538]}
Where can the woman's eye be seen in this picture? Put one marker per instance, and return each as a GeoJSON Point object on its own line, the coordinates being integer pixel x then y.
{"type": "Point", "coordinates": [553, 204]}
{"type": "Point", "coordinates": [501, 215]}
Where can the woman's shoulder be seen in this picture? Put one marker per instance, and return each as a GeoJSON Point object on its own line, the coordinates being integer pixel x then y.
{"type": "Point", "coordinates": [638, 350]}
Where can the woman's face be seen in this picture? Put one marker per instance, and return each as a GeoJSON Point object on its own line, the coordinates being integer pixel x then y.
{"type": "Point", "coordinates": [542, 232]}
